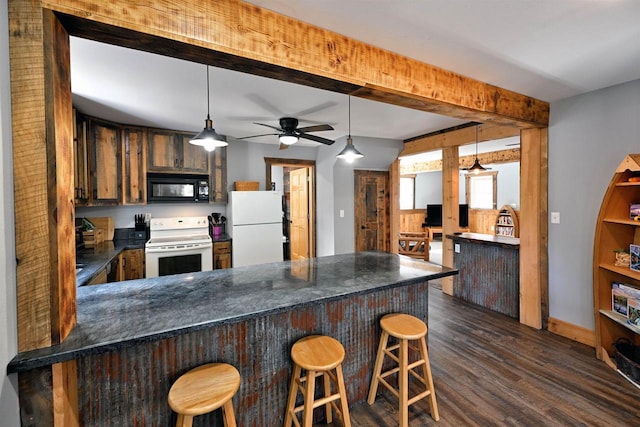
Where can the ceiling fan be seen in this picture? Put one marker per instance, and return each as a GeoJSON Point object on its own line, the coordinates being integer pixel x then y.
{"type": "Point", "coordinates": [289, 133]}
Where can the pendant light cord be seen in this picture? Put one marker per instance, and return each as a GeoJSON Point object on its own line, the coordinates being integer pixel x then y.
{"type": "Point", "coordinates": [208, 100]}
{"type": "Point", "coordinates": [349, 116]}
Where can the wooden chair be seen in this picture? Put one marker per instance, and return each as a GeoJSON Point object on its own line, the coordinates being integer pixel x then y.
{"type": "Point", "coordinates": [415, 245]}
{"type": "Point", "coordinates": [404, 328]}
{"type": "Point", "coordinates": [205, 389]}
{"type": "Point", "coordinates": [319, 356]}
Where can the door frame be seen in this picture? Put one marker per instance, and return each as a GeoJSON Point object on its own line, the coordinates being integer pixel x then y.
{"type": "Point", "coordinates": [311, 166]}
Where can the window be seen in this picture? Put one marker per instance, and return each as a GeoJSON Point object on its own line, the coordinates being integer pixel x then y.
{"type": "Point", "coordinates": [482, 190]}
{"type": "Point", "coordinates": [407, 188]}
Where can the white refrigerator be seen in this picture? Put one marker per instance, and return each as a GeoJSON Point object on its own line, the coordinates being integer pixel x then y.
{"type": "Point", "coordinates": [254, 223]}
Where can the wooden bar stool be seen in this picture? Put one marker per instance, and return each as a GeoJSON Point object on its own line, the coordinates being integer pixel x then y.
{"type": "Point", "coordinates": [405, 328]}
{"type": "Point", "coordinates": [205, 389]}
{"type": "Point", "coordinates": [318, 355]}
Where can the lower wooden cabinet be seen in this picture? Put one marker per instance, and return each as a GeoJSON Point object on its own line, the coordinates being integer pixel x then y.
{"type": "Point", "coordinates": [221, 255]}
{"type": "Point", "coordinates": [132, 264]}
{"type": "Point", "coordinates": [99, 278]}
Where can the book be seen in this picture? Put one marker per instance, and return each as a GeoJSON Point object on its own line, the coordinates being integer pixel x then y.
{"type": "Point", "coordinates": [634, 251]}
{"type": "Point", "coordinates": [634, 212]}
{"type": "Point", "coordinates": [633, 311]}
{"type": "Point", "coordinates": [619, 301]}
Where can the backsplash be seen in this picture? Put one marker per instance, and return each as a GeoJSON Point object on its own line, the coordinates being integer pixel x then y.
{"type": "Point", "coordinates": [124, 216]}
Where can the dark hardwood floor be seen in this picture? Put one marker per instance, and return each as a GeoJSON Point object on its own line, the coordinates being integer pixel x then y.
{"type": "Point", "coordinates": [489, 370]}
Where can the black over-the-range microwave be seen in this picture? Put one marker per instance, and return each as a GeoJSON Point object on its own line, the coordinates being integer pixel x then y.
{"type": "Point", "coordinates": [177, 188]}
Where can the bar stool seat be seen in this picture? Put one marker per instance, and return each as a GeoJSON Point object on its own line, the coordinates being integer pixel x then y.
{"type": "Point", "coordinates": [204, 389]}
{"type": "Point", "coordinates": [404, 328]}
{"type": "Point", "coordinates": [318, 355]}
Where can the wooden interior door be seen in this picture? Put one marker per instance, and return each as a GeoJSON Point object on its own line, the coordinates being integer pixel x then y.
{"type": "Point", "coordinates": [299, 226]}
{"type": "Point", "coordinates": [371, 211]}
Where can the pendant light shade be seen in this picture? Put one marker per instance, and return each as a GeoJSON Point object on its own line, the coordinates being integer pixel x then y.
{"type": "Point", "coordinates": [477, 167]}
{"type": "Point", "coordinates": [209, 138]}
{"type": "Point", "coordinates": [350, 152]}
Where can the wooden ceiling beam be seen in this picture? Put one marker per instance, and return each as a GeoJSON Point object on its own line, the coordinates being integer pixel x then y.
{"type": "Point", "coordinates": [242, 36]}
{"type": "Point", "coordinates": [457, 137]}
{"type": "Point", "coordinates": [492, 158]}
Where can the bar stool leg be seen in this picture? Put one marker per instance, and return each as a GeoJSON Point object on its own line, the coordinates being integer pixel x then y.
{"type": "Point", "coordinates": [346, 418]}
{"type": "Point", "coordinates": [377, 370]}
{"type": "Point", "coordinates": [327, 393]}
{"type": "Point", "coordinates": [403, 383]}
{"type": "Point", "coordinates": [429, 379]}
{"type": "Point", "coordinates": [184, 421]}
{"type": "Point", "coordinates": [309, 398]}
{"type": "Point", "coordinates": [293, 393]}
{"type": "Point", "coordinates": [228, 415]}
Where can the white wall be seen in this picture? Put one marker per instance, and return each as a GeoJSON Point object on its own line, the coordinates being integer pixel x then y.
{"type": "Point", "coordinates": [589, 135]}
{"type": "Point", "coordinates": [8, 324]}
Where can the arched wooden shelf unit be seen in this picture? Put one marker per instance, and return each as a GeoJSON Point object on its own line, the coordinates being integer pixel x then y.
{"type": "Point", "coordinates": [507, 222]}
{"type": "Point", "coordinates": [615, 230]}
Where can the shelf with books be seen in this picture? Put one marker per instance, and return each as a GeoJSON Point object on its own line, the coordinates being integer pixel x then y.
{"type": "Point", "coordinates": [616, 232]}
{"type": "Point", "coordinates": [507, 222]}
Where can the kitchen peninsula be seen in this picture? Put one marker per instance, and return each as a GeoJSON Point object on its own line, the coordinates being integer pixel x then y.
{"type": "Point", "coordinates": [134, 338]}
{"type": "Point", "coordinates": [489, 269]}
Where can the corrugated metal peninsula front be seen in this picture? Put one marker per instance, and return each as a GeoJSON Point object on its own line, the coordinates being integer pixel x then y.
{"type": "Point", "coordinates": [489, 272]}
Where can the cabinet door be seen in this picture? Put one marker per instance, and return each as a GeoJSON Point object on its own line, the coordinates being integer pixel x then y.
{"type": "Point", "coordinates": [162, 152]}
{"type": "Point", "coordinates": [133, 264]}
{"type": "Point", "coordinates": [106, 169]}
{"type": "Point", "coordinates": [221, 255]}
{"type": "Point", "coordinates": [194, 158]}
{"type": "Point", "coordinates": [135, 180]}
{"type": "Point", "coordinates": [218, 185]}
{"type": "Point", "coordinates": [80, 160]}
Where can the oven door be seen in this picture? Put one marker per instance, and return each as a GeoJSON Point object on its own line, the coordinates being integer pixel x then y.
{"type": "Point", "coordinates": [164, 261]}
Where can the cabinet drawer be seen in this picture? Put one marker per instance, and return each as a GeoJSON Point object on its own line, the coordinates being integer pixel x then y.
{"type": "Point", "coordinates": [222, 248]}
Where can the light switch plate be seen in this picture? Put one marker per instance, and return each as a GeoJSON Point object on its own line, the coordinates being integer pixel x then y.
{"type": "Point", "coordinates": [555, 217]}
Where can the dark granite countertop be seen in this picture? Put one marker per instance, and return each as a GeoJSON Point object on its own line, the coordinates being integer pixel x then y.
{"type": "Point", "coordinates": [121, 314]}
{"type": "Point", "coordinates": [491, 239]}
{"type": "Point", "coordinates": [92, 260]}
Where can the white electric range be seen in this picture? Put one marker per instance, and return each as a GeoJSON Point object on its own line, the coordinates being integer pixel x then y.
{"type": "Point", "coordinates": [178, 245]}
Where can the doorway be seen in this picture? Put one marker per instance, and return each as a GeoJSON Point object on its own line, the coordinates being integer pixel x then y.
{"type": "Point", "coordinates": [296, 180]}
{"type": "Point", "coordinates": [371, 210]}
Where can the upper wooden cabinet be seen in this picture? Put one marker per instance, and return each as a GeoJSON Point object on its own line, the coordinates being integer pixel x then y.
{"type": "Point", "coordinates": [111, 161]}
{"type": "Point", "coordinates": [170, 151]}
{"type": "Point", "coordinates": [106, 167]}
{"type": "Point", "coordinates": [134, 165]}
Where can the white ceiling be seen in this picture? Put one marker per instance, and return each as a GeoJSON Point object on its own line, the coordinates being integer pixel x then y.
{"type": "Point", "coordinates": [547, 49]}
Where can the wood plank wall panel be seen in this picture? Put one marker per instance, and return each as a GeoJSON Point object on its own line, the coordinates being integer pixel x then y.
{"type": "Point", "coordinates": [412, 220]}
{"type": "Point", "coordinates": [482, 220]}
{"type": "Point", "coordinates": [130, 386]}
{"type": "Point", "coordinates": [489, 276]}
{"type": "Point", "coordinates": [26, 58]}
{"type": "Point", "coordinates": [237, 28]}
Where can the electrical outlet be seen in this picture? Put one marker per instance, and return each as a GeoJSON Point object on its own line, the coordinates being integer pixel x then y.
{"type": "Point", "coordinates": [341, 213]}
{"type": "Point", "coordinates": [456, 248]}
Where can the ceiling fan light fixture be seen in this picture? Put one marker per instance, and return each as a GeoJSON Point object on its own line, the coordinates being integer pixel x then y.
{"type": "Point", "coordinates": [288, 137]}
{"type": "Point", "coordinates": [350, 152]}
{"type": "Point", "coordinates": [209, 138]}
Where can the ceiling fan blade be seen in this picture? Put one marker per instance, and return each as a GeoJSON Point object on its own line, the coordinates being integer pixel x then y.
{"type": "Point", "coordinates": [283, 146]}
{"type": "Point", "coordinates": [316, 128]}
{"type": "Point", "coordinates": [315, 109]}
{"type": "Point", "coordinates": [266, 105]}
{"type": "Point", "coordinates": [269, 126]}
{"type": "Point", "coordinates": [256, 136]}
{"type": "Point", "coordinates": [316, 138]}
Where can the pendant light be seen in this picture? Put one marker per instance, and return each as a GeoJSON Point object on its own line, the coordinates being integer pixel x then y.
{"type": "Point", "coordinates": [209, 138]}
{"type": "Point", "coordinates": [350, 152]}
{"type": "Point", "coordinates": [477, 167]}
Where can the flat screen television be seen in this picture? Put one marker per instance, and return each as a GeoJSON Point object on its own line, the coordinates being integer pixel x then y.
{"type": "Point", "coordinates": [434, 216]}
